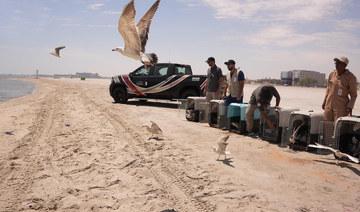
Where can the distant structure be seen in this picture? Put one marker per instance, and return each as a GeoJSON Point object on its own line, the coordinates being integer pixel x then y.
{"type": "Point", "coordinates": [37, 74]}
{"type": "Point", "coordinates": [303, 78]}
{"type": "Point", "coordinates": [77, 75]}
{"type": "Point", "coordinates": [86, 75]}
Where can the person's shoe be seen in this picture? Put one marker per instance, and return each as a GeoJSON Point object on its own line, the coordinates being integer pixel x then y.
{"type": "Point", "coordinates": [251, 134]}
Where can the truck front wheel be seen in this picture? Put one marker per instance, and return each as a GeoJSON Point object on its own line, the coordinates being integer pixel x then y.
{"type": "Point", "coordinates": [190, 92]}
{"type": "Point", "coordinates": [120, 95]}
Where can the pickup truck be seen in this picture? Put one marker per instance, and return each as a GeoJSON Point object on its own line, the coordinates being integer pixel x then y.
{"type": "Point", "coordinates": [162, 81]}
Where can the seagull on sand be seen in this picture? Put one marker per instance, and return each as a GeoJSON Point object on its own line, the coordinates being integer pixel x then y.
{"type": "Point", "coordinates": [135, 37]}
{"type": "Point", "coordinates": [154, 130]}
{"type": "Point", "coordinates": [221, 149]}
{"type": "Point", "coordinates": [56, 53]}
{"type": "Point", "coordinates": [337, 154]}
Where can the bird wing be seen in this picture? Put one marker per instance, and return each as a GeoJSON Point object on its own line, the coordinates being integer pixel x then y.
{"type": "Point", "coordinates": [143, 25]}
{"type": "Point", "coordinates": [297, 129]}
{"type": "Point", "coordinates": [319, 146]}
{"type": "Point", "coordinates": [224, 138]}
{"type": "Point", "coordinates": [222, 146]}
{"type": "Point", "coordinates": [57, 49]}
{"type": "Point", "coordinates": [127, 28]}
{"type": "Point", "coordinates": [354, 159]}
{"type": "Point", "coordinates": [155, 127]}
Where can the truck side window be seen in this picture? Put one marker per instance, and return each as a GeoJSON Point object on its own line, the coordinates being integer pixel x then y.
{"type": "Point", "coordinates": [182, 70]}
{"type": "Point", "coordinates": [179, 70]}
{"type": "Point", "coordinates": [141, 72]}
{"type": "Point", "coordinates": [160, 71]}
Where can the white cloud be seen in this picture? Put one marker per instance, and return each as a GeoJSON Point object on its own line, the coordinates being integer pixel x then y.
{"type": "Point", "coordinates": [274, 10]}
{"type": "Point", "coordinates": [112, 12]}
{"type": "Point", "coordinates": [284, 36]}
{"type": "Point", "coordinates": [95, 6]}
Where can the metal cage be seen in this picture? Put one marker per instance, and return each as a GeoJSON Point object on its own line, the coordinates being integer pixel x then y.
{"type": "Point", "coordinates": [326, 136]}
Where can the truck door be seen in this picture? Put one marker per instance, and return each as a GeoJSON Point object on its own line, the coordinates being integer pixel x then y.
{"type": "Point", "coordinates": [139, 78]}
{"type": "Point", "coordinates": [159, 74]}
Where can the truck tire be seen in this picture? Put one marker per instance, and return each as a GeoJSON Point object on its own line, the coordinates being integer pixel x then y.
{"type": "Point", "coordinates": [189, 92]}
{"type": "Point", "coordinates": [120, 95]}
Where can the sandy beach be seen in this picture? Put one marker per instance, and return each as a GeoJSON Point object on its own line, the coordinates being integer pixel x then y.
{"type": "Point", "coordinates": [70, 148]}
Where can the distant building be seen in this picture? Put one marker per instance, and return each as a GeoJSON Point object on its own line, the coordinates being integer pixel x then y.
{"type": "Point", "coordinates": [303, 77]}
{"type": "Point", "coordinates": [286, 77]}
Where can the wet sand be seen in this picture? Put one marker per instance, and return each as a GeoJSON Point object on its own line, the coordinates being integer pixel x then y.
{"type": "Point", "coordinates": [72, 149]}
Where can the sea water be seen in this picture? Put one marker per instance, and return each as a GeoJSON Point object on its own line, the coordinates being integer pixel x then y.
{"type": "Point", "coordinates": [10, 89]}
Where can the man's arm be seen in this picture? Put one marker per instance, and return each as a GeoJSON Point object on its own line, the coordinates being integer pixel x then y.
{"type": "Point", "coordinates": [205, 87]}
{"type": "Point", "coordinates": [241, 85]}
{"type": "Point", "coordinates": [225, 90]}
{"type": "Point", "coordinates": [353, 95]}
{"type": "Point", "coordinates": [220, 85]}
{"type": "Point", "coordinates": [327, 93]}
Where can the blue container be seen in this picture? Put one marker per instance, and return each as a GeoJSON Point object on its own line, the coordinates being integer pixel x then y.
{"type": "Point", "coordinates": [237, 117]}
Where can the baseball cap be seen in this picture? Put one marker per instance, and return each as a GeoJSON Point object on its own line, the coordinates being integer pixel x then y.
{"type": "Point", "coordinates": [230, 62]}
{"type": "Point", "coordinates": [342, 59]}
{"type": "Point", "coordinates": [210, 59]}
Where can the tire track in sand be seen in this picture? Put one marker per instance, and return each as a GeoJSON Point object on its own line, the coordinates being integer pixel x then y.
{"type": "Point", "coordinates": [167, 176]}
{"type": "Point", "coordinates": [17, 174]}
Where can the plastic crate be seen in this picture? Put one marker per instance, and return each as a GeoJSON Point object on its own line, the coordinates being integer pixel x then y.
{"type": "Point", "coordinates": [237, 118]}
{"type": "Point", "coordinates": [192, 112]}
{"type": "Point", "coordinates": [204, 111]}
{"type": "Point", "coordinates": [217, 116]}
{"type": "Point", "coordinates": [347, 135]}
{"type": "Point", "coordinates": [309, 131]}
{"type": "Point", "coordinates": [280, 119]}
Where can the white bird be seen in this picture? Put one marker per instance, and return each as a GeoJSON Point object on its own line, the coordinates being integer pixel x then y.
{"type": "Point", "coordinates": [337, 154]}
{"type": "Point", "coordinates": [135, 37]}
{"type": "Point", "coordinates": [221, 149]}
{"type": "Point", "coordinates": [295, 133]}
{"type": "Point", "coordinates": [56, 53]}
{"type": "Point", "coordinates": [154, 130]}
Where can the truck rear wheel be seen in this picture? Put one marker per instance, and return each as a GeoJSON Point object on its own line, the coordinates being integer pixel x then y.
{"type": "Point", "coordinates": [190, 92]}
{"type": "Point", "coordinates": [120, 95]}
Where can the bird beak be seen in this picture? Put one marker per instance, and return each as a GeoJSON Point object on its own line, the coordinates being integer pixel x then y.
{"type": "Point", "coordinates": [113, 50]}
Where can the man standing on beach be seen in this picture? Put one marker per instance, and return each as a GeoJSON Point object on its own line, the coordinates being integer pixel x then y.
{"type": "Point", "coordinates": [214, 81]}
{"type": "Point", "coordinates": [341, 84]}
{"type": "Point", "coordinates": [234, 86]}
{"type": "Point", "coordinates": [261, 98]}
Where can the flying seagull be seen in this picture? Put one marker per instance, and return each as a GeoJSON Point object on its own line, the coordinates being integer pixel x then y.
{"type": "Point", "coordinates": [154, 130]}
{"type": "Point", "coordinates": [221, 149]}
{"type": "Point", "coordinates": [337, 154]}
{"type": "Point", "coordinates": [135, 37]}
{"type": "Point", "coordinates": [56, 53]}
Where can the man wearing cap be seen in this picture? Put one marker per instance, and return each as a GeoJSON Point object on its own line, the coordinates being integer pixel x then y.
{"type": "Point", "coordinates": [341, 85]}
{"type": "Point", "coordinates": [234, 84]}
{"type": "Point", "coordinates": [214, 81]}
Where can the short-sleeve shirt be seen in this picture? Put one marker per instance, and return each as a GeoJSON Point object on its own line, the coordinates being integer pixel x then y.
{"type": "Point", "coordinates": [214, 74]}
{"type": "Point", "coordinates": [262, 96]}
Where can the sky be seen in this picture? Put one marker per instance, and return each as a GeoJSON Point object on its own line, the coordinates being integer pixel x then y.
{"type": "Point", "coordinates": [264, 37]}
